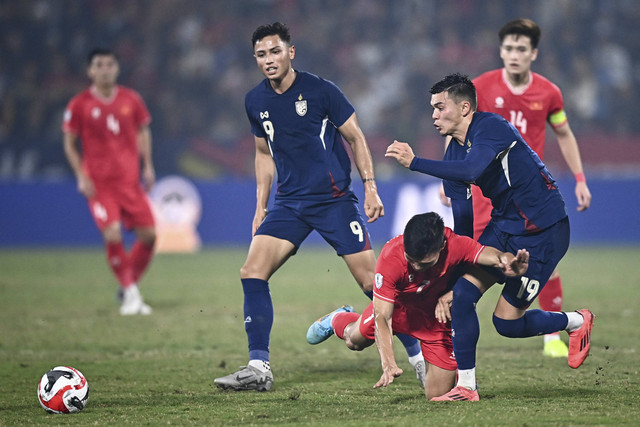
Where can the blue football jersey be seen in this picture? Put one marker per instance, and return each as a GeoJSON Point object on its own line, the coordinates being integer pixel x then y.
{"type": "Point", "coordinates": [495, 157]}
{"type": "Point", "coordinates": [300, 126]}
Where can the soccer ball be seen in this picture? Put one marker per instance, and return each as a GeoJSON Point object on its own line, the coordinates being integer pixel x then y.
{"type": "Point", "coordinates": [63, 390]}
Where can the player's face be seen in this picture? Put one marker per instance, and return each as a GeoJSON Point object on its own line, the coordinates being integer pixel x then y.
{"type": "Point", "coordinates": [273, 57]}
{"type": "Point", "coordinates": [425, 263]}
{"type": "Point", "coordinates": [447, 115]}
{"type": "Point", "coordinates": [517, 54]}
{"type": "Point", "coordinates": [103, 70]}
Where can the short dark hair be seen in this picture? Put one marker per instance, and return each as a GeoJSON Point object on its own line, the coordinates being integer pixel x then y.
{"type": "Point", "coordinates": [459, 87]}
{"type": "Point", "coordinates": [100, 51]}
{"type": "Point", "coordinates": [275, 29]}
{"type": "Point", "coordinates": [423, 235]}
{"type": "Point", "coordinates": [521, 27]}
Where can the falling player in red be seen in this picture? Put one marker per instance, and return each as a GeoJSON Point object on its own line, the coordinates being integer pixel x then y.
{"type": "Point", "coordinates": [112, 122]}
{"type": "Point", "coordinates": [529, 101]}
{"type": "Point", "coordinates": [412, 272]}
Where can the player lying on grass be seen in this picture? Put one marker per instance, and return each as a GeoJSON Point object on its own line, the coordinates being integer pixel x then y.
{"type": "Point", "coordinates": [528, 212]}
{"type": "Point", "coordinates": [412, 272]}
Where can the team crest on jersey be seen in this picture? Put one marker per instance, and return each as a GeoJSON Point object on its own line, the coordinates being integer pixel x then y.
{"type": "Point", "coordinates": [499, 102]}
{"type": "Point", "coordinates": [301, 106]}
{"type": "Point", "coordinates": [536, 106]}
{"type": "Point", "coordinates": [95, 112]}
{"type": "Point", "coordinates": [378, 280]}
{"type": "Point", "coordinates": [468, 145]}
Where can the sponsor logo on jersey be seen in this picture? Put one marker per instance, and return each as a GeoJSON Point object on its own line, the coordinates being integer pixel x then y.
{"type": "Point", "coordinates": [301, 106]}
{"type": "Point", "coordinates": [499, 102]}
{"type": "Point", "coordinates": [378, 280]}
{"type": "Point", "coordinates": [95, 112]}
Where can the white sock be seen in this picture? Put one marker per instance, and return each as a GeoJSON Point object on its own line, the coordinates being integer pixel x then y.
{"type": "Point", "coordinates": [414, 360]}
{"type": "Point", "coordinates": [467, 378]}
{"type": "Point", "coordinates": [551, 337]}
{"type": "Point", "coordinates": [575, 320]}
{"type": "Point", "coordinates": [261, 365]}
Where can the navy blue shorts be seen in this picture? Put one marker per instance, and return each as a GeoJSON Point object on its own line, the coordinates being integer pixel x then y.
{"type": "Point", "coordinates": [338, 222]}
{"type": "Point", "coordinates": [546, 249]}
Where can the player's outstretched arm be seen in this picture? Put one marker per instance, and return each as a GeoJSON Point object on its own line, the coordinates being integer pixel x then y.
{"type": "Point", "coordinates": [511, 265]}
{"type": "Point", "coordinates": [402, 152]}
{"type": "Point", "coordinates": [352, 133]}
{"type": "Point", "coordinates": [383, 313]}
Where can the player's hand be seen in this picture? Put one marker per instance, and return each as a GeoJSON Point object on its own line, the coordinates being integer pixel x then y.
{"type": "Point", "coordinates": [518, 265]}
{"type": "Point", "coordinates": [85, 186]}
{"type": "Point", "coordinates": [443, 307]}
{"type": "Point", "coordinates": [401, 151]}
{"type": "Point", "coordinates": [583, 195]}
{"type": "Point", "coordinates": [260, 215]}
{"type": "Point", "coordinates": [443, 197]}
{"type": "Point", "coordinates": [148, 177]}
{"type": "Point", "coordinates": [388, 375]}
{"type": "Point", "coordinates": [373, 206]}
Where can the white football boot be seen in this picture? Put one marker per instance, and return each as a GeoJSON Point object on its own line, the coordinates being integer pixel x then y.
{"type": "Point", "coordinates": [132, 302]}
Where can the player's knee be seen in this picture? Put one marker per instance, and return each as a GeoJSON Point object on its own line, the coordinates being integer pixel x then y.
{"type": "Point", "coordinates": [509, 328]}
{"type": "Point", "coordinates": [355, 346]}
{"type": "Point", "coordinates": [112, 233]}
{"type": "Point", "coordinates": [465, 296]}
{"type": "Point", "coordinates": [147, 236]}
{"type": "Point", "coordinates": [245, 272]}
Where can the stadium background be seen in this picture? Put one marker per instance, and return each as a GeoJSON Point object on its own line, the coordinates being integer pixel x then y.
{"type": "Point", "coordinates": [192, 62]}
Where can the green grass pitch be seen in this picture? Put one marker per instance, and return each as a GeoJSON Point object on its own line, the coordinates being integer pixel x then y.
{"type": "Point", "coordinates": [57, 307]}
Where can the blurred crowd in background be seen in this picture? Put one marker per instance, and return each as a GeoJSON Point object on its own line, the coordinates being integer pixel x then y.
{"type": "Point", "coordinates": [191, 60]}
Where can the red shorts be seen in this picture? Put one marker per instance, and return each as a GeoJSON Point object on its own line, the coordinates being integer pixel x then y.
{"type": "Point", "coordinates": [437, 349]}
{"type": "Point", "coordinates": [127, 204]}
{"type": "Point", "coordinates": [482, 208]}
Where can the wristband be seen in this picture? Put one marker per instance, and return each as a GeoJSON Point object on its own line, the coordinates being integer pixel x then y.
{"type": "Point", "coordinates": [580, 177]}
{"type": "Point", "coordinates": [368, 179]}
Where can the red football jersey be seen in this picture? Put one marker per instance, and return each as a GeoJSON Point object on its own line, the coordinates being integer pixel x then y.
{"type": "Point", "coordinates": [528, 109]}
{"type": "Point", "coordinates": [108, 129]}
{"type": "Point", "coordinates": [415, 294]}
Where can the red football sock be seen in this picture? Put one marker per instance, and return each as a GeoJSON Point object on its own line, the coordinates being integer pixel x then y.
{"type": "Point", "coordinates": [119, 263]}
{"type": "Point", "coordinates": [550, 297]}
{"type": "Point", "coordinates": [341, 320]}
{"type": "Point", "coordinates": [141, 255]}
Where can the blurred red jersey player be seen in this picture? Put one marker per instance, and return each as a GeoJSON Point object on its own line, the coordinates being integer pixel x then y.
{"type": "Point", "coordinates": [528, 100]}
{"type": "Point", "coordinates": [112, 123]}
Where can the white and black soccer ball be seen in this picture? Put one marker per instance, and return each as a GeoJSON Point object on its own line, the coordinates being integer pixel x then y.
{"type": "Point", "coordinates": [63, 390]}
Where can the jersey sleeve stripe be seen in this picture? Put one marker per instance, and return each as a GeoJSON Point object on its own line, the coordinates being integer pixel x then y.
{"type": "Point", "coordinates": [377, 295]}
{"type": "Point", "coordinates": [475, 258]}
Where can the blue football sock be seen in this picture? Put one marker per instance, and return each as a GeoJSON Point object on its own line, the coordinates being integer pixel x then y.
{"type": "Point", "coordinates": [534, 322]}
{"type": "Point", "coordinates": [411, 344]}
{"type": "Point", "coordinates": [258, 317]}
{"type": "Point", "coordinates": [464, 322]}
